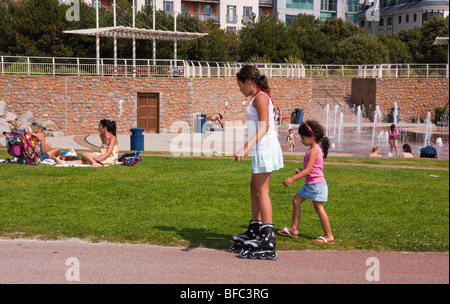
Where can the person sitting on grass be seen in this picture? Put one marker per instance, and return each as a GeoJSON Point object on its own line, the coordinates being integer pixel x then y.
{"type": "Point", "coordinates": [375, 152]}
{"type": "Point", "coordinates": [109, 152]}
{"type": "Point", "coordinates": [407, 153]}
{"type": "Point", "coordinates": [37, 127]}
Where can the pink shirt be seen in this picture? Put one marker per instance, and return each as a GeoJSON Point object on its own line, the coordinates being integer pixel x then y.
{"type": "Point", "coordinates": [316, 175]}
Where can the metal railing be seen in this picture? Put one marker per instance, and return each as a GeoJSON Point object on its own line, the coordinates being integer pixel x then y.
{"type": "Point", "coordinates": [18, 65]}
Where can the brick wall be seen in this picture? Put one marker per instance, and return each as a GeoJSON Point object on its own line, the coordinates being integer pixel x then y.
{"type": "Point", "coordinates": [90, 99]}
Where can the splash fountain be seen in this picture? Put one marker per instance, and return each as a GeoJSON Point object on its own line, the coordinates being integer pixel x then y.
{"type": "Point", "coordinates": [352, 135]}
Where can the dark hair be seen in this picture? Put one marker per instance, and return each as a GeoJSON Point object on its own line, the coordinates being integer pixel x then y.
{"type": "Point", "coordinates": [392, 127]}
{"type": "Point", "coordinates": [317, 132]}
{"type": "Point", "coordinates": [110, 125]}
{"type": "Point", "coordinates": [252, 73]}
{"type": "Point", "coordinates": [407, 148]}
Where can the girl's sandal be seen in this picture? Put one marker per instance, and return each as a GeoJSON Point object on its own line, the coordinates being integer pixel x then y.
{"type": "Point", "coordinates": [322, 240]}
{"type": "Point", "coordinates": [285, 232]}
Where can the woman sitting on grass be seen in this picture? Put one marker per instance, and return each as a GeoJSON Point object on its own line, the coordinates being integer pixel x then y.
{"type": "Point", "coordinates": [109, 152]}
{"type": "Point", "coordinates": [407, 153]}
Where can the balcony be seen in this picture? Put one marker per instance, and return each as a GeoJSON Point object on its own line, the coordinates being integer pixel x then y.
{"type": "Point", "coordinates": [266, 3]}
{"type": "Point", "coordinates": [206, 17]}
{"type": "Point", "coordinates": [231, 18]}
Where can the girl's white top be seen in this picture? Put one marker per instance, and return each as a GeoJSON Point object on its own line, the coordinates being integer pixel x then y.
{"type": "Point", "coordinates": [253, 123]}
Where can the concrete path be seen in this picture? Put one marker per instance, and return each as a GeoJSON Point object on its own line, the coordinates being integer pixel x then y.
{"type": "Point", "coordinates": [75, 261]}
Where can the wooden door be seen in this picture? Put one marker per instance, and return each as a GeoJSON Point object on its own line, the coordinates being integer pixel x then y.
{"type": "Point", "coordinates": [148, 112]}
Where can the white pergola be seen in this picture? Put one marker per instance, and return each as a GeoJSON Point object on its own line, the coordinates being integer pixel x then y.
{"type": "Point", "coordinates": [135, 33]}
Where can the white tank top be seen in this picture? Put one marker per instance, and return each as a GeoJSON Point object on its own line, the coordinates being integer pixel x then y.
{"type": "Point", "coordinates": [253, 122]}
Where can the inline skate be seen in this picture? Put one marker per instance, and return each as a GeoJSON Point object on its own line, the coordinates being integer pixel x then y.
{"type": "Point", "coordinates": [263, 247]}
{"type": "Point", "coordinates": [250, 234]}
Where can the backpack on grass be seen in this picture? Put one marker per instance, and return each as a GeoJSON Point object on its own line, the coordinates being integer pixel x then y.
{"type": "Point", "coordinates": [428, 152]}
{"type": "Point", "coordinates": [130, 159]}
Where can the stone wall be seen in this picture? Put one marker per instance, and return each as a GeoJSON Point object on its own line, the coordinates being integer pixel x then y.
{"type": "Point", "coordinates": [415, 97]}
{"type": "Point", "coordinates": [76, 104]}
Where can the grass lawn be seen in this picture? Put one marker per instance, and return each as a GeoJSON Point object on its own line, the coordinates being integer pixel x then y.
{"type": "Point", "coordinates": [205, 201]}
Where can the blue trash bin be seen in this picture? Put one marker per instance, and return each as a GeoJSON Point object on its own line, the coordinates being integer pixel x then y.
{"type": "Point", "coordinates": [137, 139]}
{"type": "Point", "coordinates": [299, 116]}
{"type": "Point", "coordinates": [200, 123]}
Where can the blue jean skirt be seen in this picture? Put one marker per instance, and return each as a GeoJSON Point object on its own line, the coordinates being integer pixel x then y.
{"type": "Point", "coordinates": [315, 192]}
{"type": "Point", "coordinates": [267, 158]}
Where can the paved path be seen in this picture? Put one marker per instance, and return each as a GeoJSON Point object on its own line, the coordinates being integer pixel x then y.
{"type": "Point", "coordinates": [32, 261]}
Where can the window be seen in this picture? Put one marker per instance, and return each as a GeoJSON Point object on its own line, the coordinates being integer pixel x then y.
{"type": "Point", "coordinates": [231, 29]}
{"type": "Point", "coordinates": [168, 7]}
{"type": "Point", "coordinates": [389, 26]}
{"type": "Point", "coordinates": [407, 18]}
{"type": "Point", "coordinates": [184, 7]}
{"type": "Point", "coordinates": [231, 14]}
{"type": "Point", "coordinates": [353, 6]}
{"type": "Point", "coordinates": [289, 19]}
{"type": "Point", "coordinates": [352, 18]}
{"type": "Point", "coordinates": [328, 5]}
{"type": "Point", "coordinates": [399, 19]}
{"type": "Point", "coordinates": [300, 4]}
{"type": "Point", "coordinates": [428, 15]}
{"type": "Point", "coordinates": [324, 16]}
{"type": "Point", "coordinates": [247, 15]}
{"type": "Point", "coordinates": [415, 17]}
{"type": "Point", "coordinates": [208, 12]}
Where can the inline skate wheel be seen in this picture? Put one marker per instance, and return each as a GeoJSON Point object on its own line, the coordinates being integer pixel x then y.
{"type": "Point", "coordinates": [243, 254]}
{"type": "Point", "coordinates": [253, 255]}
{"type": "Point", "coordinates": [273, 256]}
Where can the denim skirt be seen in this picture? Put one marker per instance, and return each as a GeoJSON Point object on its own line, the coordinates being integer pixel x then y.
{"type": "Point", "coordinates": [315, 192]}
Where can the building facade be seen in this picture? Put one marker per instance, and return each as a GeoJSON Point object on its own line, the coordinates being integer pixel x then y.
{"type": "Point", "coordinates": [390, 16]}
{"type": "Point", "coordinates": [396, 15]}
{"type": "Point", "coordinates": [323, 9]}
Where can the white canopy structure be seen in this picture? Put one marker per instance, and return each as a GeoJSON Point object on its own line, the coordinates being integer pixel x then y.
{"type": "Point", "coordinates": [135, 33]}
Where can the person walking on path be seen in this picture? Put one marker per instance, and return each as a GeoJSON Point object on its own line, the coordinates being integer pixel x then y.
{"type": "Point", "coordinates": [315, 187]}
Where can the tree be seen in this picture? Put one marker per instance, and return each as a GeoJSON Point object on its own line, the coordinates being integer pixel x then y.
{"type": "Point", "coordinates": [6, 31]}
{"type": "Point", "coordinates": [429, 53]}
{"type": "Point", "coordinates": [38, 27]}
{"type": "Point", "coordinates": [337, 29]}
{"type": "Point", "coordinates": [411, 38]}
{"type": "Point", "coordinates": [361, 49]}
{"type": "Point", "coordinates": [314, 46]}
{"type": "Point", "coordinates": [398, 50]}
{"type": "Point", "coordinates": [267, 38]}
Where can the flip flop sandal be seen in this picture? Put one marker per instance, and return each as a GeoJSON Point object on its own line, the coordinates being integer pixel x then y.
{"type": "Point", "coordinates": [285, 232]}
{"type": "Point", "coordinates": [324, 241]}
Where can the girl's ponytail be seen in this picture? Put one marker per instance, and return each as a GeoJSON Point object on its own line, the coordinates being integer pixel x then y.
{"type": "Point", "coordinates": [325, 146]}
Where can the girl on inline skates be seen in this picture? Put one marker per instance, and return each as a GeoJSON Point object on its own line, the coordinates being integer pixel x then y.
{"type": "Point", "coordinates": [259, 239]}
